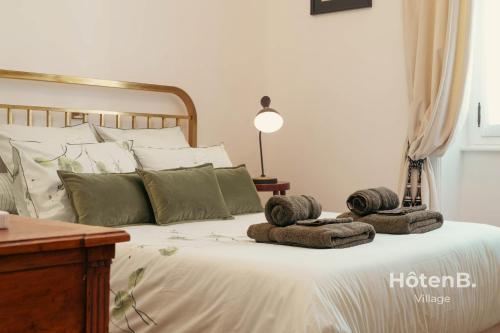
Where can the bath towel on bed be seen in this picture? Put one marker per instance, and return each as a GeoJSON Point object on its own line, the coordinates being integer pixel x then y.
{"type": "Point", "coordinates": [328, 236]}
{"type": "Point", "coordinates": [414, 222]}
{"type": "Point", "coordinates": [402, 210]}
{"type": "Point", "coordinates": [287, 210]}
{"type": "Point", "coordinates": [324, 221]}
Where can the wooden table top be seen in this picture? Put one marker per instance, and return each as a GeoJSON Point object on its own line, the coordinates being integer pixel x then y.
{"type": "Point", "coordinates": [26, 235]}
{"type": "Point", "coordinates": [280, 186]}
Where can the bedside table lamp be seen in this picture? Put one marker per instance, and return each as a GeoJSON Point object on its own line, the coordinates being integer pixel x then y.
{"type": "Point", "coordinates": [266, 121]}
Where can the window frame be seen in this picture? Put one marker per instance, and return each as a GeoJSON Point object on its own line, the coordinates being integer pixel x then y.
{"type": "Point", "coordinates": [479, 131]}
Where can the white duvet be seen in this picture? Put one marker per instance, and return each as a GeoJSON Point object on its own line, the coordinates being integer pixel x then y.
{"type": "Point", "coordinates": [209, 277]}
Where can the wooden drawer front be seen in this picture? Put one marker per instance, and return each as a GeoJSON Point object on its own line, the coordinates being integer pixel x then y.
{"type": "Point", "coordinates": [48, 300]}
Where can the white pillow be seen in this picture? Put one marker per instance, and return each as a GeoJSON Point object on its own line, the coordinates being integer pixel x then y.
{"type": "Point", "coordinates": [161, 159]}
{"type": "Point", "coordinates": [170, 137]}
{"type": "Point", "coordinates": [74, 134]}
{"type": "Point", "coordinates": [38, 191]}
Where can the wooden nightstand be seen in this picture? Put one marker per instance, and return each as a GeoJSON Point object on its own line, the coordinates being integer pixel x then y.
{"type": "Point", "coordinates": [54, 276]}
{"type": "Point", "coordinates": [279, 188]}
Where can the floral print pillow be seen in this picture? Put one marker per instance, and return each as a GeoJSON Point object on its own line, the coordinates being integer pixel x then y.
{"type": "Point", "coordinates": [38, 190]}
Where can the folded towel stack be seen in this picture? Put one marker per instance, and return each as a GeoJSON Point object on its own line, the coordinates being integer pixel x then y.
{"type": "Point", "coordinates": [378, 207]}
{"type": "Point", "coordinates": [327, 236]}
{"type": "Point", "coordinates": [294, 220]}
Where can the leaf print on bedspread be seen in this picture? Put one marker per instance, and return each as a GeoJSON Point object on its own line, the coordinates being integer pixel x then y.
{"type": "Point", "coordinates": [135, 278]}
{"type": "Point", "coordinates": [124, 300]}
{"type": "Point", "coordinates": [175, 237]}
{"type": "Point", "coordinates": [168, 251]}
{"type": "Point", "coordinates": [222, 238]}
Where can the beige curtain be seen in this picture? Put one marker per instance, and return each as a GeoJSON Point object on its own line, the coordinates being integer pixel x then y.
{"type": "Point", "coordinates": [437, 35]}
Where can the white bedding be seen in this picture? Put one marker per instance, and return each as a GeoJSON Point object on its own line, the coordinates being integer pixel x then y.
{"type": "Point", "coordinates": [209, 277]}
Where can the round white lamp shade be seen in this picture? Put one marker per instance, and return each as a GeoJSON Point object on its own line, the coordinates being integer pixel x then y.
{"type": "Point", "coordinates": [268, 121]}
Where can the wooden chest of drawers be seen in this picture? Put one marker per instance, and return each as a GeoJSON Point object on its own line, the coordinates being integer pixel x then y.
{"type": "Point", "coordinates": [54, 276]}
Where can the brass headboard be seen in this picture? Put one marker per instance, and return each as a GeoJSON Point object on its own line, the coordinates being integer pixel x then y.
{"type": "Point", "coordinates": [83, 113]}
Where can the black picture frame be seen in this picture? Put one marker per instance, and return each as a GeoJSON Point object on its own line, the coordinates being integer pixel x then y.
{"type": "Point", "coordinates": [328, 6]}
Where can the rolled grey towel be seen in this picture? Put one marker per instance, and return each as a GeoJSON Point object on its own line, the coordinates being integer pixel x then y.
{"type": "Point", "coordinates": [414, 222]}
{"type": "Point", "coordinates": [329, 236]}
{"type": "Point", "coordinates": [283, 210]}
{"type": "Point", "coordinates": [372, 200]}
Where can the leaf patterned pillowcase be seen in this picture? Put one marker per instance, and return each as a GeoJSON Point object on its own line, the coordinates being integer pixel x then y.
{"type": "Point", "coordinates": [169, 137]}
{"type": "Point", "coordinates": [164, 159]}
{"type": "Point", "coordinates": [78, 134]}
{"type": "Point", "coordinates": [38, 190]}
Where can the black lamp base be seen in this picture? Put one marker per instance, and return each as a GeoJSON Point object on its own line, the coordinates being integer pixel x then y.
{"type": "Point", "coordinates": [265, 180]}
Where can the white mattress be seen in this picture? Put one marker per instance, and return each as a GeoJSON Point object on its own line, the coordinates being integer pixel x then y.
{"type": "Point", "coordinates": [218, 280]}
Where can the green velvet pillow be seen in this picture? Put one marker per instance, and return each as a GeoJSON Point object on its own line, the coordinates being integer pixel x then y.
{"type": "Point", "coordinates": [185, 194]}
{"type": "Point", "coordinates": [108, 199]}
{"type": "Point", "coordinates": [238, 190]}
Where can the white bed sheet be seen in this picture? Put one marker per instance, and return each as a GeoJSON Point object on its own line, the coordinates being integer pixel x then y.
{"type": "Point", "coordinates": [209, 277]}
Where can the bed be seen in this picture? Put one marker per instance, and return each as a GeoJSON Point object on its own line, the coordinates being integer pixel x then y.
{"type": "Point", "coordinates": [208, 276]}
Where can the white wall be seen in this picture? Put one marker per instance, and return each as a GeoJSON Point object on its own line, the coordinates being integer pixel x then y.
{"type": "Point", "coordinates": [339, 81]}
{"type": "Point", "coordinates": [479, 191]}
{"type": "Point", "coordinates": [212, 49]}
{"type": "Point", "coordinates": [470, 181]}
